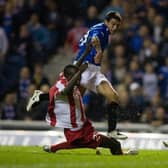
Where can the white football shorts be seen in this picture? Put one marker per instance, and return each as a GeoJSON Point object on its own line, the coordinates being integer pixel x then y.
{"type": "Point", "coordinates": [92, 77]}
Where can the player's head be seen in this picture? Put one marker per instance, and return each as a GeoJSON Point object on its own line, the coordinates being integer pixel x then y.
{"type": "Point", "coordinates": [69, 71]}
{"type": "Point", "coordinates": [113, 21]}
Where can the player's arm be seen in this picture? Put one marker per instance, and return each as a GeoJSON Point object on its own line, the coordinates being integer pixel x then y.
{"type": "Point", "coordinates": [83, 56]}
{"type": "Point", "coordinates": [75, 78]}
{"type": "Point", "coordinates": [99, 53]}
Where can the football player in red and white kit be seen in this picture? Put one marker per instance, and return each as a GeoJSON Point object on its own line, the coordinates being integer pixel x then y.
{"type": "Point", "coordinates": [66, 110]}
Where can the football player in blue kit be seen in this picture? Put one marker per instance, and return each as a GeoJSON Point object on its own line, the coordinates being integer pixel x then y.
{"type": "Point", "coordinates": [92, 78]}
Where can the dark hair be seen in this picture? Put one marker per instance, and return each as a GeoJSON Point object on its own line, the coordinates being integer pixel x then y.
{"type": "Point", "coordinates": [70, 70]}
{"type": "Point", "coordinates": [112, 14]}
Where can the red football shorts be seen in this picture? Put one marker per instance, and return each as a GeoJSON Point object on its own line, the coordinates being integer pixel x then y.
{"type": "Point", "coordinates": [85, 137]}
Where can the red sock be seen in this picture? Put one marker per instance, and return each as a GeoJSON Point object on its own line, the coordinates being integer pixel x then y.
{"type": "Point", "coordinates": [64, 145]}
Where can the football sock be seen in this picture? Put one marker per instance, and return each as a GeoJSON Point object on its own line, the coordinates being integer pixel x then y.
{"type": "Point", "coordinates": [112, 144]}
{"type": "Point", "coordinates": [112, 116]}
{"type": "Point", "coordinates": [64, 145]}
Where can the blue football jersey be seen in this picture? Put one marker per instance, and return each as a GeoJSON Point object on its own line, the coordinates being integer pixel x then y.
{"type": "Point", "coordinates": [101, 31]}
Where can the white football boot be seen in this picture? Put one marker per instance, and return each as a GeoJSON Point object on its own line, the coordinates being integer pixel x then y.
{"type": "Point", "coordinates": [34, 99]}
{"type": "Point", "coordinates": [116, 135]}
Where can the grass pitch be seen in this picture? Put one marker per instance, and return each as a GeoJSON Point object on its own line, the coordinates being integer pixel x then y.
{"type": "Point", "coordinates": [34, 157]}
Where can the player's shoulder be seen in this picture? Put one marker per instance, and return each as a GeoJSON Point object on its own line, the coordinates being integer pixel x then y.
{"type": "Point", "coordinates": [99, 26]}
{"type": "Point", "coordinates": [100, 29]}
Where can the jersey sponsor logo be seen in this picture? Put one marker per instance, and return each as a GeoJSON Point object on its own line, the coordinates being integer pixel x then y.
{"type": "Point", "coordinates": [84, 39]}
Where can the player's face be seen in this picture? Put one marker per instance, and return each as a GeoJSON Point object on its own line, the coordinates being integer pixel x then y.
{"type": "Point", "coordinates": [113, 25]}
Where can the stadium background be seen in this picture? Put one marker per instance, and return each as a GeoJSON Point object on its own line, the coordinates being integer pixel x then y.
{"type": "Point", "coordinates": [39, 37]}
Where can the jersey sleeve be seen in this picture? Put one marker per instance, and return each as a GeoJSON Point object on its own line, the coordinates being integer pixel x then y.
{"type": "Point", "coordinates": [60, 86]}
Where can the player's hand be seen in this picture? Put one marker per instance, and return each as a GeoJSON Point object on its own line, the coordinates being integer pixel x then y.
{"type": "Point", "coordinates": [98, 57]}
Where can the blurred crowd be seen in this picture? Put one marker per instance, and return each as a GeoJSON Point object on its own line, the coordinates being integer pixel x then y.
{"type": "Point", "coordinates": [135, 62]}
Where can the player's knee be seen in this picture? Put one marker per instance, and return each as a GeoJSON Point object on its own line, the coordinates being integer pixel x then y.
{"type": "Point", "coordinates": [106, 90]}
{"type": "Point", "coordinates": [112, 97]}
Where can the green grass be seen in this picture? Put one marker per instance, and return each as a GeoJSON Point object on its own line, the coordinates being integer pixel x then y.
{"type": "Point", "coordinates": [34, 157]}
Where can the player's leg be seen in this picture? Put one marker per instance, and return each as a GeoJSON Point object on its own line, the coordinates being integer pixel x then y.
{"type": "Point", "coordinates": [112, 97]}
{"type": "Point", "coordinates": [108, 91]}
{"type": "Point", "coordinates": [55, 147]}
{"type": "Point", "coordinates": [113, 100]}
{"type": "Point", "coordinates": [75, 139]}
{"type": "Point", "coordinates": [94, 80]}
{"type": "Point", "coordinates": [106, 142]}
{"type": "Point", "coordinates": [115, 146]}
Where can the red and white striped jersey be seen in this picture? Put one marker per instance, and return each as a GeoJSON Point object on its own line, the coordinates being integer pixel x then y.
{"type": "Point", "coordinates": [65, 111]}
